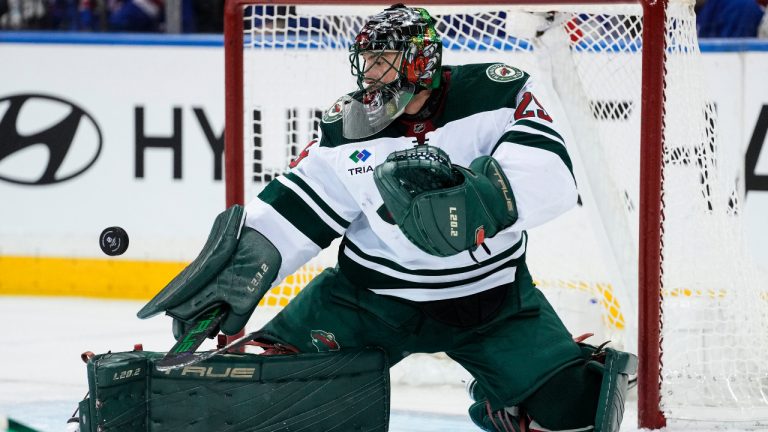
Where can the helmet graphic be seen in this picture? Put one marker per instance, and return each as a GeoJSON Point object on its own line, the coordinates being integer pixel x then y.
{"type": "Point", "coordinates": [399, 39]}
{"type": "Point", "coordinates": [408, 31]}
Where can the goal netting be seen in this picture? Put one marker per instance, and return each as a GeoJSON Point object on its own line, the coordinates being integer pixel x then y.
{"type": "Point", "coordinates": [288, 63]}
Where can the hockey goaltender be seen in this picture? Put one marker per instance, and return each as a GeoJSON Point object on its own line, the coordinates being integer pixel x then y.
{"type": "Point", "coordinates": [432, 174]}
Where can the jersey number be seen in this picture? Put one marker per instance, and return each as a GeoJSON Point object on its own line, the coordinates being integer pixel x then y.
{"type": "Point", "coordinates": [753, 180]}
{"type": "Point", "coordinates": [304, 153]}
{"type": "Point", "coordinates": [524, 110]}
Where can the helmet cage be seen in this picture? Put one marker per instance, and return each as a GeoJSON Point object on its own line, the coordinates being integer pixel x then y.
{"type": "Point", "coordinates": [410, 34]}
{"type": "Point", "coordinates": [362, 61]}
{"type": "Point", "coordinates": [409, 31]}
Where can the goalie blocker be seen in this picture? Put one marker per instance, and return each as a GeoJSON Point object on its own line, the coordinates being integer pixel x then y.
{"type": "Point", "coordinates": [235, 269]}
{"type": "Point", "coordinates": [343, 390]}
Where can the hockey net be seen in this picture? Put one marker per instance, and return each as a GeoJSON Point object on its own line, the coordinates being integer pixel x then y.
{"type": "Point", "coordinates": [288, 63]}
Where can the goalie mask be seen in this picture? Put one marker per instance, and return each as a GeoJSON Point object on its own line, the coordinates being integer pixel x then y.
{"type": "Point", "coordinates": [396, 54]}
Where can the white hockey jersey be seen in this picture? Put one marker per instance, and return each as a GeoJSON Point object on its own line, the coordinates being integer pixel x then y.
{"type": "Point", "coordinates": [484, 109]}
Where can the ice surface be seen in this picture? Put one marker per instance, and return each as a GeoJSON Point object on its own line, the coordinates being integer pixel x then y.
{"type": "Point", "coordinates": [42, 377]}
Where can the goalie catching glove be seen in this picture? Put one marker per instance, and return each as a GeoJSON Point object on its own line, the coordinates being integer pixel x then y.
{"type": "Point", "coordinates": [445, 209]}
{"type": "Point", "coordinates": [235, 268]}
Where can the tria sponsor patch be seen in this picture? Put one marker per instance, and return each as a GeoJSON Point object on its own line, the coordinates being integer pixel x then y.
{"type": "Point", "coordinates": [360, 170]}
{"type": "Point", "coordinates": [360, 155]}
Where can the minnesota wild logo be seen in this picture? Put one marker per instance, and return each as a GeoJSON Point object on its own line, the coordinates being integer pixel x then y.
{"type": "Point", "coordinates": [333, 113]}
{"type": "Point", "coordinates": [324, 341]}
{"type": "Point", "coordinates": [500, 72]}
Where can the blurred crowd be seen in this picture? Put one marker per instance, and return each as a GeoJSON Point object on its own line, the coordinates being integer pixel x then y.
{"type": "Point", "coordinates": [732, 18]}
{"type": "Point", "coordinates": [196, 16]}
{"type": "Point", "coordinates": [715, 18]}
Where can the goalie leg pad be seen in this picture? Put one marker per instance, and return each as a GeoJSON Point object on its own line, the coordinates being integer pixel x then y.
{"type": "Point", "coordinates": [344, 390]}
{"type": "Point", "coordinates": [570, 400]}
{"type": "Point", "coordinates": [615, 367]}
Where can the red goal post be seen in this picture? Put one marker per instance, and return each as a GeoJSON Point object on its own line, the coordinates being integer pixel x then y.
{"type": "Point", "coordinates": [654, 47]}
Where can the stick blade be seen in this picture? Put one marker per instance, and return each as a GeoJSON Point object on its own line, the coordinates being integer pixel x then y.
{"type": "Point", "coordinates": [171, 362]}
{"type": "Point", "coordinates": [183, 351]}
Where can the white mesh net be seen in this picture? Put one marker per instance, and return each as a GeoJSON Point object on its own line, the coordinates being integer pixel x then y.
{"type": "Point", "coordinates": [715, 315]}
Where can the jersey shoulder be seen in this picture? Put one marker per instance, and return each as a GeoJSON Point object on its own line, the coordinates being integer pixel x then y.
{"type": "Point", "coordinates": [492, 75]}
{"type": "Point", "coordinates": [485, 86]}
{"type": "Point", "coordinates": [331, 125]}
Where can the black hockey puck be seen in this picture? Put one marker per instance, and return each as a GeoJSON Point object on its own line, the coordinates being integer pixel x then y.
{"type": "Point", "coordinates": [113, 241]}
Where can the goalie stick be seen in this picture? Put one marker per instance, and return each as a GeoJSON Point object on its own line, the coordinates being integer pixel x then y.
{"type": "Point", "coordinates": [254, 338]}
{"type": "Point", "coordinates": [183, 352]}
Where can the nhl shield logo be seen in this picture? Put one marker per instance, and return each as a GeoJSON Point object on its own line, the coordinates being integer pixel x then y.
{"type": "Point", "coordinates": [324, 341]}
{"type": "Point", "coordinates": [500, 72]}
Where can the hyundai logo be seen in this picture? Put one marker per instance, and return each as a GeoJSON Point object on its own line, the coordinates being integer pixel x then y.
{"type": "Point", "coordinates": [45, 139]}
